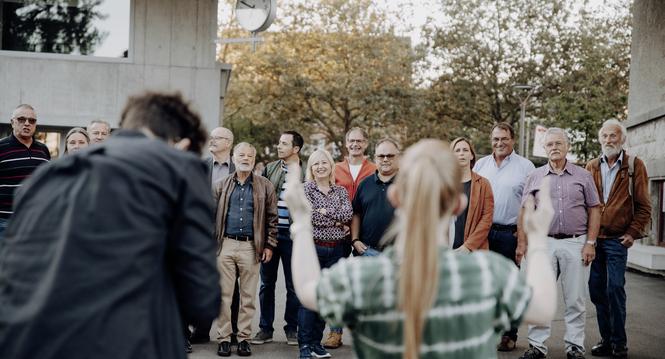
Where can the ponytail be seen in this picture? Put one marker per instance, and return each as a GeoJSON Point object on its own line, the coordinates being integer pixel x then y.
{"type": "Point", "coordinates": [428, 185]}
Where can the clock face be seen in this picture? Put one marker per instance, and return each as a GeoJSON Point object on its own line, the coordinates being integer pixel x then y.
{"type": "Point", "coordinates": [255, 15]}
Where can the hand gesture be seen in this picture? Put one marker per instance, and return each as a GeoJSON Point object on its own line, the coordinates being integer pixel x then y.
{"type": "Point", "coordinates": [294, 195]}
{"type": "Point", "coordinates": [537, 221]}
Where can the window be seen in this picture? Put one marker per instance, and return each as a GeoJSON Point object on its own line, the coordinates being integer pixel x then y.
{"type": "Point", "coordinates": [74, 27]}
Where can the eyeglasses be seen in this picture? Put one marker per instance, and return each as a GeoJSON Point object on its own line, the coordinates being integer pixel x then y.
{"type": "Point", "coordinates": [389, 156]}
{"type": "Point", "coordinates": [217, 138]}
{"type": "Point", "coordinates": [353, 140]}
{"type": "Point", "coordinates": [22, 120]}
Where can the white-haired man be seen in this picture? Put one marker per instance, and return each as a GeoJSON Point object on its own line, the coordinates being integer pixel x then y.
{"type": "Point", "coordinates": [571, 240]}
{"type": "Point", "coordinates": [623, 183]}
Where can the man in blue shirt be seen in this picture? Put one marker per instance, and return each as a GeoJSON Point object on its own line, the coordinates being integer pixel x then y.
{"type": "Point", "coordinates": [372, 212]}
{"type": "Point", "coordinates": [507, 172]}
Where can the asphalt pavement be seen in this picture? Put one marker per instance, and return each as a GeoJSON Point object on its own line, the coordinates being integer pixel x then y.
{"type": "Point", "coordinates": [645, 327]}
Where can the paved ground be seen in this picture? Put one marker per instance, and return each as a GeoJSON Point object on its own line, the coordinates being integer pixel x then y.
{"type": "Point", "coordinates": [646, 327]}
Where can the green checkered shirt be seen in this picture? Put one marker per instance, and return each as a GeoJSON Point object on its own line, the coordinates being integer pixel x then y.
{"type": "Point", "coordinates": [480, 296]}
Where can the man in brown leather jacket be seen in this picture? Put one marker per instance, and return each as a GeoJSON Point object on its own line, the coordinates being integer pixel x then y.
{"type": "Point", "coordinates": [622, 183]}
{"type": "Point", "coordinates": [247, 234]}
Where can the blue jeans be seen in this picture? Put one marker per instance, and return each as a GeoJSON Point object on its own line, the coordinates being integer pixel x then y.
{"type": "Point", "coordinates": [606, 289]}
{"type": "Point", "coordinates": [267, 290]}
{"type": "Point", "coordinates": [309, 322]}
{"type": "Point", "coordinates": [504, 243]}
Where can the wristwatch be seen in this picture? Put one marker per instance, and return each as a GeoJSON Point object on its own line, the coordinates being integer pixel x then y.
{"type": "Point", "coordinates": [590, 242]}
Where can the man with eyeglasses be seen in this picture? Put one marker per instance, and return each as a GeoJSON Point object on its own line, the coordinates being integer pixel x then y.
{"type": "Point", "coordinates": [20, 155]}
{"type": "Point", "coordinates": [99, 131]}
{"type": "Point", "coordinates": [507, 172]}
{"type": "Point", "coordinates": [372, 212]}
{"type": "Point", "coordinates": [355, 167]}
{"type": "Point", "coordinates": [220, 164]}
{"type": "Point", "coordinates": [219, 167]}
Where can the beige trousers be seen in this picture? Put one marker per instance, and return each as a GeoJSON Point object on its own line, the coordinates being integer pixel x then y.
{"type": "Point", "coordinates": [241, 256]}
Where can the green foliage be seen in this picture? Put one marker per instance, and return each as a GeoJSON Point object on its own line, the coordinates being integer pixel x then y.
{"type": "Point", "coordinates": [332, 68]}
{"type": "Point", "coordinates": [580, 60]}
{"type": "Point", "coordinates": [53, 26]}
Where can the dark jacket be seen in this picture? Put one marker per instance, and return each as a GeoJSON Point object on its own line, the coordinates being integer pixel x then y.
{"type": "Point", "coordinates": [264, 220]}
{"type": "Point", "coordinates": [623, 214]}
{"type": "Point", "coordinates": [107, 248]}
{"type": "Point", "coordinates": [480, 213]}
{"type": "Point", "coordinates": [277, 176]}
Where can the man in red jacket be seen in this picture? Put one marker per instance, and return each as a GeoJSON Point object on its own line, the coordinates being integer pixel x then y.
{"type": "Point", "coordinates": [350, 172]}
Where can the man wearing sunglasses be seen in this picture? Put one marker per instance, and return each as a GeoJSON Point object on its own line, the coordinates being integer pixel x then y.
{"type": "Point", "coordinates": [372, 212]}
{"type": "Point", "coordinates": [20, 154]}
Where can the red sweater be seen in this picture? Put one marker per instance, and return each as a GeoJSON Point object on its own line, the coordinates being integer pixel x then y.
{"type": "Point", "coordinates": [343, 175]}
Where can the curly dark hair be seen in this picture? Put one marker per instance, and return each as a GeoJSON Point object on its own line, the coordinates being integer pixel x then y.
{"type": "Point", "coordinates": [167, 116]}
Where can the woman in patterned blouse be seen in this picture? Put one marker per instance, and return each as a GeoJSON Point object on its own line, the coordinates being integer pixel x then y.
{"type": "Point", "coordinates": [331, 210]}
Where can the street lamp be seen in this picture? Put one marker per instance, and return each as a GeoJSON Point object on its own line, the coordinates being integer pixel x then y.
{"type": "Point", "coordinates": [530, 89]}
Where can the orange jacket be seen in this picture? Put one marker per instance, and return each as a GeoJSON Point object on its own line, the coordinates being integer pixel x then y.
{"type": "Point", "coordinates": [343, 175]}
{"type": "Point", "coordinates": [480, 213]}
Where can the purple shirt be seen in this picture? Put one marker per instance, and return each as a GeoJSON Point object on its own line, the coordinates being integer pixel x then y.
{"type": "Point", "coordinates": [327, 227]}
{"type": "Point", "coordinates": [573, 192]}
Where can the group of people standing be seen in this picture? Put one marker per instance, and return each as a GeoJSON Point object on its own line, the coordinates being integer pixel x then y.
{"type": "Point", "coordinates": [437, 241]}
{"type": "Point", "coordinates": [350, 214]}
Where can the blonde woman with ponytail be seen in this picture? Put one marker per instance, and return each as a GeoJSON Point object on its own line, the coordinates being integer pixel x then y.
{"type": "Point", "coordinates": [420, 299]}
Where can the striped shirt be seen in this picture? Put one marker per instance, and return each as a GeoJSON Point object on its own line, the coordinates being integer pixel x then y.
{"type": "Point", "coordinates": [479, 296]}
{"type": "Point", "coordinates": [283, 220]}
{"type": "Point", "coordinates": [17, 162]}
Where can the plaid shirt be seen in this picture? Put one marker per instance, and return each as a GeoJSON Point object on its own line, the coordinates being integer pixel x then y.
{"type": "Point", "coordinates": [479, 296]}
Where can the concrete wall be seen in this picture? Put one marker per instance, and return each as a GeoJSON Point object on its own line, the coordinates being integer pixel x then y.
{"type": "Point", "coordinates": [171, 48]}
{"type": "Point", "coordinates": [646, 97]}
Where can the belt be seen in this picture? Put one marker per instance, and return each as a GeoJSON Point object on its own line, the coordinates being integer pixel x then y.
{"type": "Point", "coordinates": [563, 235]}
{"type": "Point", "coordinates": [329, 244]}
{"type": "Point", "coordinates": [240, 238]}
{"type": "Point", "coordinates": [504, 227]}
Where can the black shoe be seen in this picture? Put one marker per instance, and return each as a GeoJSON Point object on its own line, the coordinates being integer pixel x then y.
{"type": "Point", "coordinates": [532, 353]}
{"type": "Point", "coordinates": [602, 349]}
{"type": "Point", "coordinates": [574, 353]}
{"type": "Point", "coordinates": [234, 339]}
{"type": "Point", "coordinates": [620, 352]}
{"type": "Point", "coordinates": [244, 349]}
{"type": "Point", "coordinates": [262, 337]}
{"type": "Point", "coordinates": [188, 346]}
{"type": "Point", "coordinates": [224, 349]}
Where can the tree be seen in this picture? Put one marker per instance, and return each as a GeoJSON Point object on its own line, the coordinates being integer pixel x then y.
{"type": "Point", "coordinates": [53, 26]}
{"type": "Point", "coordinates": [486, 47]}
{"type": "Point", "coordinates": [334, 65]}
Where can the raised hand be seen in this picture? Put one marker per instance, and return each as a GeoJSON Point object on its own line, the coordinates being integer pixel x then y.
{"type": "Point", "coordinates": [537, 220]}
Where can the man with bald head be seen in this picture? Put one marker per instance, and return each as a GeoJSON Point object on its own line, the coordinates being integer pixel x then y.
{"type": "Point", "coordinates": [220, 164]}
{"type": "Point", "coordinates": [20, 154]}
{"type": "Point", "coordinates": [623, 183]}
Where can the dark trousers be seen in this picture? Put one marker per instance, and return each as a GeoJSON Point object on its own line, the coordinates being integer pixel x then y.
{"type": "Point", "coordinates": [504, 242]}
{"type": "Point", "coordinates": [267, 290]}
{"type": "Point", "coordinates": [310, 324]}
{"type": "Point", "coordinates": [201, 331]}
{"type": "Point", "coordinates": [606, 289]}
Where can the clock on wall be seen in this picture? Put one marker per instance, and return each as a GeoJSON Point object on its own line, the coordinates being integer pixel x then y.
{"type": "Point", "coordinates": [255, 15]}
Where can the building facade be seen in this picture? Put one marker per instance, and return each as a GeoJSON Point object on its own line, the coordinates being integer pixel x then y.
{"type": "Point", "coordinates": [646, 120]}
{"type": "Point", "coordinates": [86, 68]}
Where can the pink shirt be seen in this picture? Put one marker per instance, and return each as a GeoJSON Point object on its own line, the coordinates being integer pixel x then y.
{"type": "Point", "coordinates": [572, 192]}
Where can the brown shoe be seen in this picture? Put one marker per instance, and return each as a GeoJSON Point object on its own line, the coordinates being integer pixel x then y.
{"type": "Point", "coordinates": [333, 341]}
{"type": "Point", "coordinates": [506, 345]}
